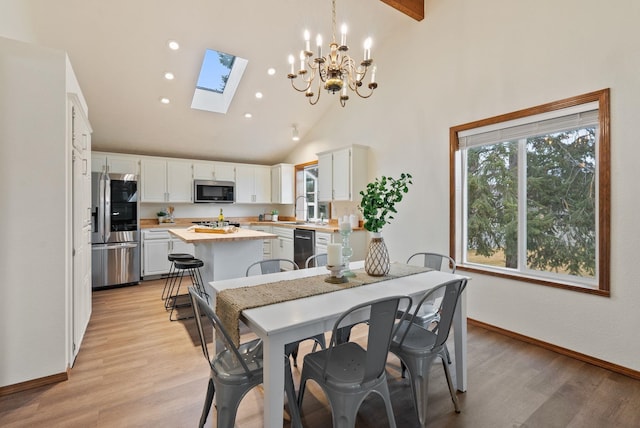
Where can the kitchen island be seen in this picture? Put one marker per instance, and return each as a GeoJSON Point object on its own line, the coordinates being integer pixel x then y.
{"type": "Point", "coordinates": [225, 255]}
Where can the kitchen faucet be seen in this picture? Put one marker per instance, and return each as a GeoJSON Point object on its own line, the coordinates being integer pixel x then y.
{"type": "Point", "coordinates": [306, 209]}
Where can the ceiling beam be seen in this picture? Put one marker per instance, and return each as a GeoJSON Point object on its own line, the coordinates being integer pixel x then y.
{"type": "Point", "coordinates": [412, 8]}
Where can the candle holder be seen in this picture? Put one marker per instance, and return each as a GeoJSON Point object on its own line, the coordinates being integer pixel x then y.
{"type": "Point", "coordinates": [347, 251]}
{"type": "Point", "coordinates": [336, 275]}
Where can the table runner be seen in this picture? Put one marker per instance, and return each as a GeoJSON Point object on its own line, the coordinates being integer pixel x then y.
{"type": "Point", "coordinates": [231, 302]}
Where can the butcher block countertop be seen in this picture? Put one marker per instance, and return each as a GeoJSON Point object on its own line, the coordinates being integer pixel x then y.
{"type": "Point", "coordinates": [241, 234]}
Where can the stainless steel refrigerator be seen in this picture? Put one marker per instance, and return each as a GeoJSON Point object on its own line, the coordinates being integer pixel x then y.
{"type": "Point", "coordinates": [115, 230]}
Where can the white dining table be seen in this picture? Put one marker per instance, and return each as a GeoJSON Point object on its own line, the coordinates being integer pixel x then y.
{"type": "Point", "coordinates": [287, 322]}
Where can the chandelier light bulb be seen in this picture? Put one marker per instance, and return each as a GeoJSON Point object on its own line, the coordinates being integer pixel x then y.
{"type": "Point", "coordinates": [367, 49]}
{"type": "Point", "coordinates": [319, 44]}
{"type": "Point", "coordinates": [307, 41]}
{"type": "Point", "coordinates": [343, 35]}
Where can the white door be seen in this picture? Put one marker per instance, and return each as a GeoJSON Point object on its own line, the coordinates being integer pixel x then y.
{"type": "Point", "coordinates": [179, 181]}
{"type": "Point", "coordinates": [153, 180]}
{"type": "Point", "coordinates": [325, 177]}
{"type": "Point", "coordinates": [155, 261]}
{"type": "Point", "coordinates": [342, 175]}
{"type": "Point", "coordinates": [245, 184]}
{"type": "Point", "coordinates": [262, 184]}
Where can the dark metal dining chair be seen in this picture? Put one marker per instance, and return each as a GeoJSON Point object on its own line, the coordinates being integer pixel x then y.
{"type": "Point", "coordinates": [418, 347]}
{"type": "Point", "coordinates": [348, 372]}
{"type": "Point", "coordinates": [235, 370]}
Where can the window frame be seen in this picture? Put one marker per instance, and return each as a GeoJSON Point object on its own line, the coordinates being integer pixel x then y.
{"type": "Point", "coordinates": [602, 97]}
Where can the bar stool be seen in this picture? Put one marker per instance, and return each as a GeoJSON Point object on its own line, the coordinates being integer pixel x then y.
{"type": "Point", "coordinates": [171, 278]}
{"type": "Point", "coordinates": [189, 267]}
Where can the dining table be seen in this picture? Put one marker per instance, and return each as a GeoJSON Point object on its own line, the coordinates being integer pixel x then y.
{"type": "Point", "coordinates": [289, 321]}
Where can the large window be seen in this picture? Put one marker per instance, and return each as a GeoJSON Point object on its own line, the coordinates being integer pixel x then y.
{"type": "Point", "coordinates": [531, 191]}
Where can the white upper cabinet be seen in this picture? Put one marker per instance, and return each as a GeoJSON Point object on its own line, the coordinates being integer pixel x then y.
{"type": "Point", "coordinates": [218, 171]}
{"type": "Point", "coordinates": [164, 180]}
{"type": "Point", "coordinates": [282, 183]}
{"type": "Point", "coordinates": [253, 184]}
{"type": "Point", "coordinates": [115, 163]}
{"type": "Point", "coordinates": [342, 173]}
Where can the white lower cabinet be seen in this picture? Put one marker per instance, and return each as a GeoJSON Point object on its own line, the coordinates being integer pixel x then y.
{"type": "Point", "coordinates": [282, 246]}
{"type": "Point", "coordinates": [157, 244]}
{"type": "Point", "coordinates": [266, 244]}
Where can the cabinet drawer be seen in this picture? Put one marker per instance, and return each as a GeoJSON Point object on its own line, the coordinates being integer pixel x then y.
{"type": "Point", "coordinates": [323, 239]}
{"type": "Point", "coordinates": [283, 232]}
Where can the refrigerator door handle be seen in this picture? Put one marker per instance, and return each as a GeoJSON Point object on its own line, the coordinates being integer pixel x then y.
{"type": "Point", "coordinates": [107, 207]}
{"type": "Point", "coordinates": [99, 212]}
{"type": "Point", "coordinates": [121, 245]}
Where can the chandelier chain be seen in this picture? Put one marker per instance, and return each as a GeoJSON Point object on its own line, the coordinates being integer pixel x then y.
{"type": "Point", "coordinates": [333, 19]}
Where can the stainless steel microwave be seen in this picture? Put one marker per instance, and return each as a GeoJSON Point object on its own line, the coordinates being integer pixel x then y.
{"type": "Point", "coordinates": [214, 191]}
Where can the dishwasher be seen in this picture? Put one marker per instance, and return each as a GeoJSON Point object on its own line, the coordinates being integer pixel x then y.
{"type": "Point", "coordinates": [303, 245]}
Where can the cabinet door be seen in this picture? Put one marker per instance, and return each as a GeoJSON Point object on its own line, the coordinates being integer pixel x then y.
{"type": "Point", "coordinates": [244, 184]}
{"type": "Point", "coordinates": [262, 184]}
{"type": "Point", "coordinates": [123, 164]}
{"type": "Point", "coordinates": [153, 178]}
{"type": "Point", "coordinates": [325, 177]}
{"type": "Point", "coordinates": [204, 171]}
{"type": "Point", "coordinates": [155, 261]}
{"type": "Point", "coordinates": [286, 249]}
{"type": "Point", "coordinates": [179, 181]}
{"type": "Point", "coordinates": [342, 175]}
{"type": "Point", "coordinates": [282, 182]}
{"type": "Point", "coordinates": [225, 171]}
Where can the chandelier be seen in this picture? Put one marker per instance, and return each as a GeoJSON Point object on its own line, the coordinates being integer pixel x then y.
{"type": "Point", "coordinates": [336, 72]}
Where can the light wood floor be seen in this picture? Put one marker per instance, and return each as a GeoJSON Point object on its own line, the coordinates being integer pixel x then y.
{"type": "Point", "coordinates": [137, 369]}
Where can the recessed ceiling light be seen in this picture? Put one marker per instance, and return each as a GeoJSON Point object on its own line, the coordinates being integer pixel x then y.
{"type": "Point", "coordinates": [248, 115]}
{"type": "Point", "coordinates": [258, 95]}
{"type": "Point", "coordinates": [173, 45]}
{"type": "Point", "coordinates": [271, 71]}
{"type": "Point", "coordinates": [165, 100]}
{"type": "Point", "coordinates": [168, 75]}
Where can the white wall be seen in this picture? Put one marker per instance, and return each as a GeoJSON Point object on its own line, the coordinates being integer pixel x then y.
{"type": "Point", "coordinates": [33, 202]}
{"type": "Point", "coordinates": [470, 60]}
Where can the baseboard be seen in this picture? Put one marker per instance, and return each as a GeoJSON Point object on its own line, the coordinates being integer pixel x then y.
{"type": "Point", "coordinates": [34, 383]}
{"type": "Point", "coordinates": [558, 349]}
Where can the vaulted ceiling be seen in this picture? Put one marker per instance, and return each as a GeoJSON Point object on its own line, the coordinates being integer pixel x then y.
{"type": "Point", "coordinates": [118, 49]}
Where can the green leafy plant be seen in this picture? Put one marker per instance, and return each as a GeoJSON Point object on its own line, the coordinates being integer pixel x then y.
{"type": "Point", "coordinates": [274, 212]}
{"type": "Point", "coordinates": [379, 200]}
{"type": "Point", "coordinates": [161, 214]}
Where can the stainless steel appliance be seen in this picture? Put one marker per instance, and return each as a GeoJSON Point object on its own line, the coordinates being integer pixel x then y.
{"type": "Point", "coordinates": [214, 191]}
{"type": "Point", "coordinates": [115, 233]}
{"type": "Point", "coordinates": [304, 242]}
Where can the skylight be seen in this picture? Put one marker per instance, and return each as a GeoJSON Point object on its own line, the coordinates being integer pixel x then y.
{"type": "Point", "coordinates": [219, 78]}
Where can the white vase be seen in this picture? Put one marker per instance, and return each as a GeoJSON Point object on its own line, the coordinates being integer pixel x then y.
{"type": "Point", "coordinates": [376, 263]}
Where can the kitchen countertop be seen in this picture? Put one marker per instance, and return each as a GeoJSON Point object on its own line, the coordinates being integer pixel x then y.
{"type": "Point", "coordinates": [183, 223]}
{"type": "Point", "coordinates": [241, 234]}
{"type": "Point", "coordinates": [329, 228]}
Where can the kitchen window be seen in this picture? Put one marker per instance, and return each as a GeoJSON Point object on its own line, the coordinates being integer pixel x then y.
{"type": "Point", "coordinates": [307, 186]}
{"type": "Point", "coordinates": [531, 194]}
